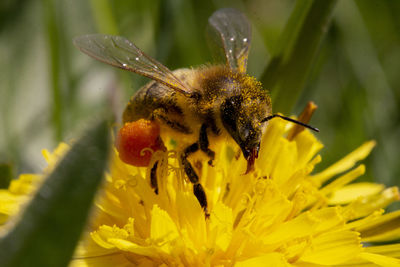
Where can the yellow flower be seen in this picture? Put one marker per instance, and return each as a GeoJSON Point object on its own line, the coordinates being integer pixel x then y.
{"type": "Point", "coordinates": [278, 215]}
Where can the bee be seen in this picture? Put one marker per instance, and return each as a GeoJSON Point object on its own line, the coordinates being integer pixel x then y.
{"type": "Point", "coordinates": [196, 106]}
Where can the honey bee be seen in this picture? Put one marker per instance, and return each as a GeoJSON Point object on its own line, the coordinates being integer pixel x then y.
{"type": "Point", "coordinates": [197, 106]}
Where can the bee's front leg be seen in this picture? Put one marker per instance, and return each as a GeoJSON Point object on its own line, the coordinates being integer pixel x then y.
{"type": "Point", "coordinates": [204, 143]}
{"type": "Point", "coordinates": [198, 189]}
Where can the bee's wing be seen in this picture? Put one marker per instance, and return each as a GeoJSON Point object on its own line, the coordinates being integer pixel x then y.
{"type": "Point", "coordinates": [234, 31]}
{"type": "Point", "coordinates": [121, 53]}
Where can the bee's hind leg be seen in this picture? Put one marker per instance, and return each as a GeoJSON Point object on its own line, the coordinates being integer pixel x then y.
{"type": "Point", "coordinates": [204, 143]}
{"type": "Point", "coordinates": [153, 177]}
{"type": "Point", "coordinates": [198, 189]}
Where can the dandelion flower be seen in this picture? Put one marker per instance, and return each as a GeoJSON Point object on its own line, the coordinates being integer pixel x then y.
{"type": "Point", "coordinates": [279, 215]}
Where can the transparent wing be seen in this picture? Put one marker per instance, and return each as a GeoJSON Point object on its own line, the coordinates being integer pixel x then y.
{"type": "Point", "coordinates": [121, 53]}
{"type": "Point", "coordinates": [234, 31]}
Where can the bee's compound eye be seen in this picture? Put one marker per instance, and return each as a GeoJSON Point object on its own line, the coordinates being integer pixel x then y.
{"type": "Point", "coordinates": [137, 140]}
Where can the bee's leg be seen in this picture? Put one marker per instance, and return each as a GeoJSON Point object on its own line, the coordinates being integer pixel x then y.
{"type": "Point", "coordinates": [190, 172]}
{"type": "Point", "coordinates": [153, 177]}
{"type": "Point", "coordinates": [203, 141]}
{"type": "Point", "coordinates": [175, 123]}
{"type": "Point", "coordinates": [198, 189]}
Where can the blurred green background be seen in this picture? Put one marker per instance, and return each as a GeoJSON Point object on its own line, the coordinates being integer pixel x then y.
{"type": "Point", "coordinates": [49, 90]}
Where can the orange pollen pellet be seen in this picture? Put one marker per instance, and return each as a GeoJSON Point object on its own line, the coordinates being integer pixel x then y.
{"type": "Point", "coordinates": [137, 140]}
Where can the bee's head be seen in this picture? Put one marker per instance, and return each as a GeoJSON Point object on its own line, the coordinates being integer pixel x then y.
{"type": "Point", "coordinates": [242, 117]}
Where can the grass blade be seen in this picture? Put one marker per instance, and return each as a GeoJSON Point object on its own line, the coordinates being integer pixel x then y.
{"type": "Point", "coordinates": [287, 72]}
{"type": "Point", "coordinates": [104, 17]}
{"type": "Point", "coordinates": [53, 40]}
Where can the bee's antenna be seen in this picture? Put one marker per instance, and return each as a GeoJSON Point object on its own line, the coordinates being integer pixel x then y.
{"type": "Point", "coordinates": [291, 120]}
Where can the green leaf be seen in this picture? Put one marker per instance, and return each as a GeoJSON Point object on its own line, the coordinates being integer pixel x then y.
{"type": "Point", "coordinates": [287, 72]}
{"type": "Point", "coordinates": [50, 227]}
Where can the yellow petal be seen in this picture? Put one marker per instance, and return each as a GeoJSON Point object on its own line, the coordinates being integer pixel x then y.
{"type": "Point", "coordinates": [381, 260]}
{"type": "Point", "coordinates": [352, 192]}
{"type": "Point", "coordinates": [383, 228]}
{"type": "Point", "coordinates": [129, 227]}
{"type": "Point", "coordinates": [53, 157]}
{"type": "Point", "coordinates": [284, 162]}
{"type": "Point", "coordinates": [88, 248]}
{"type": "Point", "coordinates": [305, 224]}
{"type": "Point", "coordinates": [10, 204]}
{"type": "Point", "coordinates": [345, 163]}
{"type": "Point", "coordinates": [163, 228]}
{"type": "Point", "coordinates": [221, 225]}
{"type": "Point", "coordinates": [333, 248]}
{"type": "Point", "coordinates": [343, 180]}
{"type": "Point", "coordinates": [392, 250]}
{"type": "Point", "coordinates": [191, 217]}
{"type": "Point", "coordinates": [307, 147]}
{"type": "Point", "coordinates": [90, 254]}
{"type": "Point", "coordinates": [103, 235]}
{"type": "Point", "coordinates": [270, 205]}
{"type": "Point", "coordinates": [25, 184]}
{"type": "Point", "coordinates": [270, 145]}
{"type": "Point", "coordinates": [125, 245]}
{"type": "Point", "coordinates": [366, 205]}
{"type": "Point", "coordinates": [106, 260]}
{"type": "Point", "coordinates": [270, 259]}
